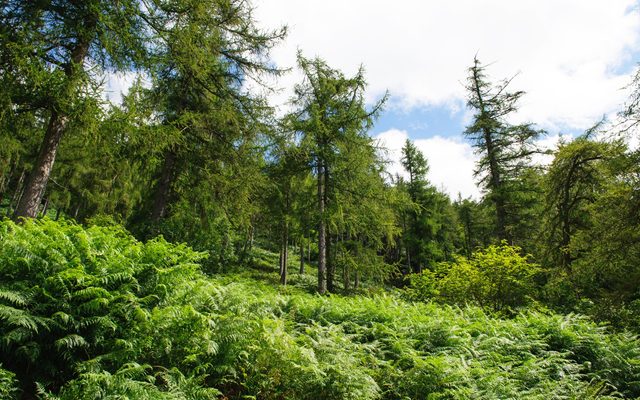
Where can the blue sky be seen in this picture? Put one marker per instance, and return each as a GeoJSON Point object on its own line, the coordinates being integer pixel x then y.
{"type": "Point", "coordinates": [423, 121]}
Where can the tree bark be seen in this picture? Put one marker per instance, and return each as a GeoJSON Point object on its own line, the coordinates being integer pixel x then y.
{"type": "Point", "coordinates": [495, 179]}
{"type": "Point", "coordinates": [322, 235]}
{"type": "Point", "coordinates": [346, 277]}
{"type": "Point", "coordinates": [37, 182]}
{"type": "Point", "coordinates": [45, 207]}
{"type": "Point", "coordinates": [301, 256]}
{"type": "Point", "coordinates": [39, 176]}
{"type": "Point", "coordinates": [346, 272]}
{"type": "Point", "coordinates": [331, 266]}
{"type": "Point", "coordinates": [163, 189]}
{"type": "Point", "coordinates": [4, 183]}
{"type": "Point", "coordinates": [496, 188]}
{"type": "Point", "coordinates": [309, 250]}
{"type": "Point", "coordinates": [17, 193]}
{"type": "Point", "coordinates": [284, 255]}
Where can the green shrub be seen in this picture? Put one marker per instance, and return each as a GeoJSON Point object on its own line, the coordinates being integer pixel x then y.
{"type": "Point", "coordinates": [497, 278]}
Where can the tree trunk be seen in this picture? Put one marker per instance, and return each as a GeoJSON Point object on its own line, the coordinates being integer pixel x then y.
{"type": "Point", "coordinates": [283, 278]}
{"type": "Point", "coordinates": [4, 183]}
{"type": "Point", "coordinates": [301, 256]}
{"type": "Point", "coordinates": [250, 239]}
{"type": "Point", "coordinates": [17, 194]}
{"type": "Point", "coordinates": [280, 258]}
{"type": "Point", "coordinates": [284, 254]}
{"type": "Point", "coordinates": [331, 266]}
{"type": "Point", "coordinates": [37, 182]}
{"type": "Point", "coordinates": [356, 283]}
{"type": "Point", "coordinates": [322, 237]}
{"type": "Point", "coordinates": [39, 176]}
{"type": "Point", "coordinates": [45, 208]}
{"type": "Point", "coordinates": [346, 273]}
{"type": "Point", "coordinates": [467, 237]}
{"type": "Point", "coordinates": [163, 189]}
{"type": "Point", "coordinates": [346, 278]}
{"type": "Point", "coordinates": [309, 250]}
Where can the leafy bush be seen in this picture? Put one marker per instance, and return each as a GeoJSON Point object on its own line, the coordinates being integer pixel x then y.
{"type": "Point", "coordinates": [496, 278]}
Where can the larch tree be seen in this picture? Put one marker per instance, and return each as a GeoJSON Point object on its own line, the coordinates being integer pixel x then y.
{"type": "Point", "coordinates": [330, 111]}
{"type": "Point", "coordinates": [56, 53]}
{"type": "Point", "coordinates": [575, 180]}
{"type": "Point", "coordinates": [417, 167]}
{"type": "Point", "coordinates": [211, 124]}
{"type": "Point", "coordinates": [504, 148]}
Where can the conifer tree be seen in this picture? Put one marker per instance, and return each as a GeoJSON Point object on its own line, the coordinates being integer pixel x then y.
{"type": "Point", "coordinates": [56, 53]}
{"type": "Point", "coordinates": [504, 149]}
{"type": "Point", "coordinates": [331, 113]}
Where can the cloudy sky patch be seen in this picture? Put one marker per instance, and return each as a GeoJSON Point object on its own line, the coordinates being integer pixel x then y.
{"type": "Point", "coordinates": [573, 58]}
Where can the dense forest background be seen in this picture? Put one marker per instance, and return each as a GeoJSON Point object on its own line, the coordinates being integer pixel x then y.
{"type": "Point", "coordinates": [191, 156]}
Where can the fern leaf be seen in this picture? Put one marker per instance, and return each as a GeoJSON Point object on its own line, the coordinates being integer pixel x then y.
{"type": "Point", "coordinates": [71, 341]}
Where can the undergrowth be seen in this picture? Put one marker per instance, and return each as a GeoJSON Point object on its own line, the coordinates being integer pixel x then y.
{"type": "Point", "coordinates": [92, 313]}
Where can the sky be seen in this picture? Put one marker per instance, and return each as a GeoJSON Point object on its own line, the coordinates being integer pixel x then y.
{"type": "Point", "coordinates": [573, 58]}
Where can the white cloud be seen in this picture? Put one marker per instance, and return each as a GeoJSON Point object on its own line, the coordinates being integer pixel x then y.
{"type": "Point", "coordinates": [548, 143]}
{"type": "Point", "coordinates": [117, 85]}
{"type": "Point", "coordinates": [451, 162]}
{"type": "Point", "coordinates": [569, 52]}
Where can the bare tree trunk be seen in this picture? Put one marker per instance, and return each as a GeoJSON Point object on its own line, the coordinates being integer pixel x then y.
{"type": "Point", "coordinates": [331, 266]}
{"type": "Point", "coordinates": [322, 234]}
{"type": "Point", "coordinates": [346, 278]}
{"type": "Point", "coordinates": [309, 250]}
{"type": "Point", "coordinates": [18, 193]}
{"type": "Point", "coordinates": [346, 273]}
{"type": "Point", "coordinates": [248, 244]}
{"type": "Point", "coordinates": [4, 182]}
{"type": "Point", "coordinates": [280, 258]}
{"type": "Point", "coordinates": [283, 278]}
{"type": "Point", "coordinates": [37, 182]}
{"type": "Point", "coordinates": [58, 211]}
{"type": "Point", "coordinates": [163, 189]}
{"type": "Point", "coordinates": [301, 256]}
{"type": "Point", "coordinates": [45, 208]}
{"type": "Point", "coordinates": [356, 283]}
{"type": "Point", "coordinates": [284, 254]}
{"type": "Point", "coordinates": [39, 176]}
